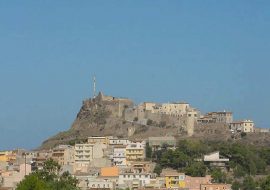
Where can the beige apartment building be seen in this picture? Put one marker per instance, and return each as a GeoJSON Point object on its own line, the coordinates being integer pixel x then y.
{"type": "Point", "coordinates": [90, 155]}
{"type": "Point", "coordinates": [101, 140]}
{"type": "Point", "coordinates": [246, 126]}
{"type": "Point", "coordinates": [63, 154]}
{"type": "Point", "coordinates": [83, 155]}
{"type": "Point", "coordinates": [11, 178]}
{"type": "Point", "coordinates": [174, 109]}
{"type": "Point", "coordinates": [135, 151]}
{"type": "Point", "coordinates": [217, 117]}
{"type": "Point", "coordinates": [149, 106]}
{"type": "Point", "coordinates": [158, 142]}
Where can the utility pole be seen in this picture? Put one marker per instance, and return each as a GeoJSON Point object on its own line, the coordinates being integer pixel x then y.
{"type": "Point", "coordinates": [94, 86]}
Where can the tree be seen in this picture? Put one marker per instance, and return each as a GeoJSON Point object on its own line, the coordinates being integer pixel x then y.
{"type": "Point", "coordinates": [48, 179]}
{"type": "Point", "coordinates": [218, 176]}
{"type": "Point", "coordinates": [249, 183]}
{"type": "Point", "coordinates": [265, 184]}
{"type": "Point", "coordinates": [148, 150]}
{"type": "Point", "coordinates": [236, 185]}
{"type": "Point", "coordinates": [196, 169]}
{"type": "Point", "coordinates": [239, 171]}
{"type": "Point", "coordinates": [50, 170]}
{"type": "Point", "coordinates": [158, 169]}
{"type": "Point", "coordinates": [180, 160]}
{"type": "Point", "coordinates": [32, 182]}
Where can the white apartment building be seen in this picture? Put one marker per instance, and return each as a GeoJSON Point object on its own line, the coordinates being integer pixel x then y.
{"type": "Point", "coordinates": [116, 141]}
{"type": "Point", "coordinates": [100, 184]}
{"type": "Point", "coordinates": [119, 155]}
{"type": "Point", "coordinates": [132, 180]}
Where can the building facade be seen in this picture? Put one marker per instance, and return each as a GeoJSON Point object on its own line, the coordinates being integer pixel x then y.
{"type": "Point", "coordinates": [135, 151]}
{"type": "Point", "coordinates": [63, 154]}
{"type": "Point", "coordinates": [100, 140]}
{"type": "Point", "coordinates": [246, 126]}
{"type": "Point", "coordinates": [83, 155]}
{"type": "Point", "coordinates": [217, 117]}
{"type": "Point", "coordinates": [134, 181]}
{"type": "Point", "coordinates": [119, 155]}
{"type": "Point", "coordinates": [215, 187]}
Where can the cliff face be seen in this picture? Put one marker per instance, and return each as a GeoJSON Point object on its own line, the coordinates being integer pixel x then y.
{"type": "Point", "coordinates": [105, 116]}
{"type": "Point", "coordinates": [96, 111]}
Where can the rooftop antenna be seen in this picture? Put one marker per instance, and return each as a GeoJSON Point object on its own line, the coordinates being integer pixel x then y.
{"type": "Point", "coordinates": [94, 86]}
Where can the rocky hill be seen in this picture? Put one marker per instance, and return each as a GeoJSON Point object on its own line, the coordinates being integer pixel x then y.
{"type": "Point", "coordinates": [105, 116]}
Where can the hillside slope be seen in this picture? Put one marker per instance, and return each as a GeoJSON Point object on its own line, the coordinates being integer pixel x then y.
{"type": "Point", "coordinates": [104, 116]}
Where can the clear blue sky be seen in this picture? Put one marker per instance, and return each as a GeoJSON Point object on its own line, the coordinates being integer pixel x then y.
{"type": "Point", "coordinates": [212, 54]}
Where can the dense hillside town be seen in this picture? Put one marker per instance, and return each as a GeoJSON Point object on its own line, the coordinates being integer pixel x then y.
{"type": "Point", "coordinates": [131, 161]}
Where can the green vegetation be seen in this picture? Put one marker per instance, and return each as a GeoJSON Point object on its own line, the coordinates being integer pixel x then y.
{"type": "Point", "coordinates": [48, 179]}
{"type": "Point", "coordinates": [158, 169]}
{"type": "Point", "coordinates": [148, 151]}
{"type": "Point", "coordinates": [218, 175]}
{"type": "Point", "coordinates": [246, 162]}
{"type": "Point", "coordinates": [265, 183]}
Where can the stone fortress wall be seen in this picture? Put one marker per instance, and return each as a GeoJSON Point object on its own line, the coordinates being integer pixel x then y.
{"type": "Point", "coordinates": [179, 115]}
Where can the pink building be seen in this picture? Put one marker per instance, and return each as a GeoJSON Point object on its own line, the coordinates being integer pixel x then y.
{"type": "Point", "coordinates": [194, 183]}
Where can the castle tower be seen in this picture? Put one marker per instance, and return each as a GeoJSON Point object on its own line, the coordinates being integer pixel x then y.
{"type": "Point", "coordinates": [190, 123]}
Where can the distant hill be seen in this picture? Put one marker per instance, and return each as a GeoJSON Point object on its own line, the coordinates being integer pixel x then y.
{"type": "Point", "coordinates": [105, 116]}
